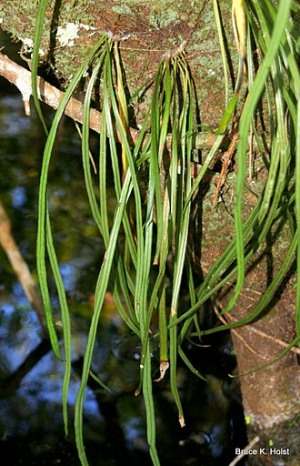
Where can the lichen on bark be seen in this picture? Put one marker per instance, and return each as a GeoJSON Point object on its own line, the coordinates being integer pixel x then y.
{"type": "Point", "coordinates": [152, 30]}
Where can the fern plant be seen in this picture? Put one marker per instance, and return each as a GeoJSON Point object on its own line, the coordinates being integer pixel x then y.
{"type": "Point", "coordinates": [151, 229]}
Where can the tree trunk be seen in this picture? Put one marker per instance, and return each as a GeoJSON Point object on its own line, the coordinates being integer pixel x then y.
{"type": "Point", "coordinates": [148, 32]}
{"type": "Point", "coordinates": [271, 394]}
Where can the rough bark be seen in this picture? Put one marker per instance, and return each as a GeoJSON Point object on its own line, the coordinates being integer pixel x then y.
{"type": "Point", "coordinates": [149, 31]}
{"type": "Point", "coordinates": [271, 395]}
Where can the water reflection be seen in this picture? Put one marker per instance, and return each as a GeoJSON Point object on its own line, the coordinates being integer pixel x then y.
{"type": "Point", "coordinates": [14, 123]}
{"type": "Point", "coordinates": [31, 426]}
{"type": "Point", "coordinates": [18, 197]}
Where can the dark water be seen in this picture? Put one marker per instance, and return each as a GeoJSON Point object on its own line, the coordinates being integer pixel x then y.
{"type": "Point", "coordinates": [31, 426]}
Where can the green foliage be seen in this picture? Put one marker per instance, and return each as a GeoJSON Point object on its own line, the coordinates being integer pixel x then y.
{"type": "Point", "coordinates": [146, 234]}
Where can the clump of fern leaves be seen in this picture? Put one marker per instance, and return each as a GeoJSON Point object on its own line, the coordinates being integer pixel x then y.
{"type": "Point", "coordinates": [145, 233]}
